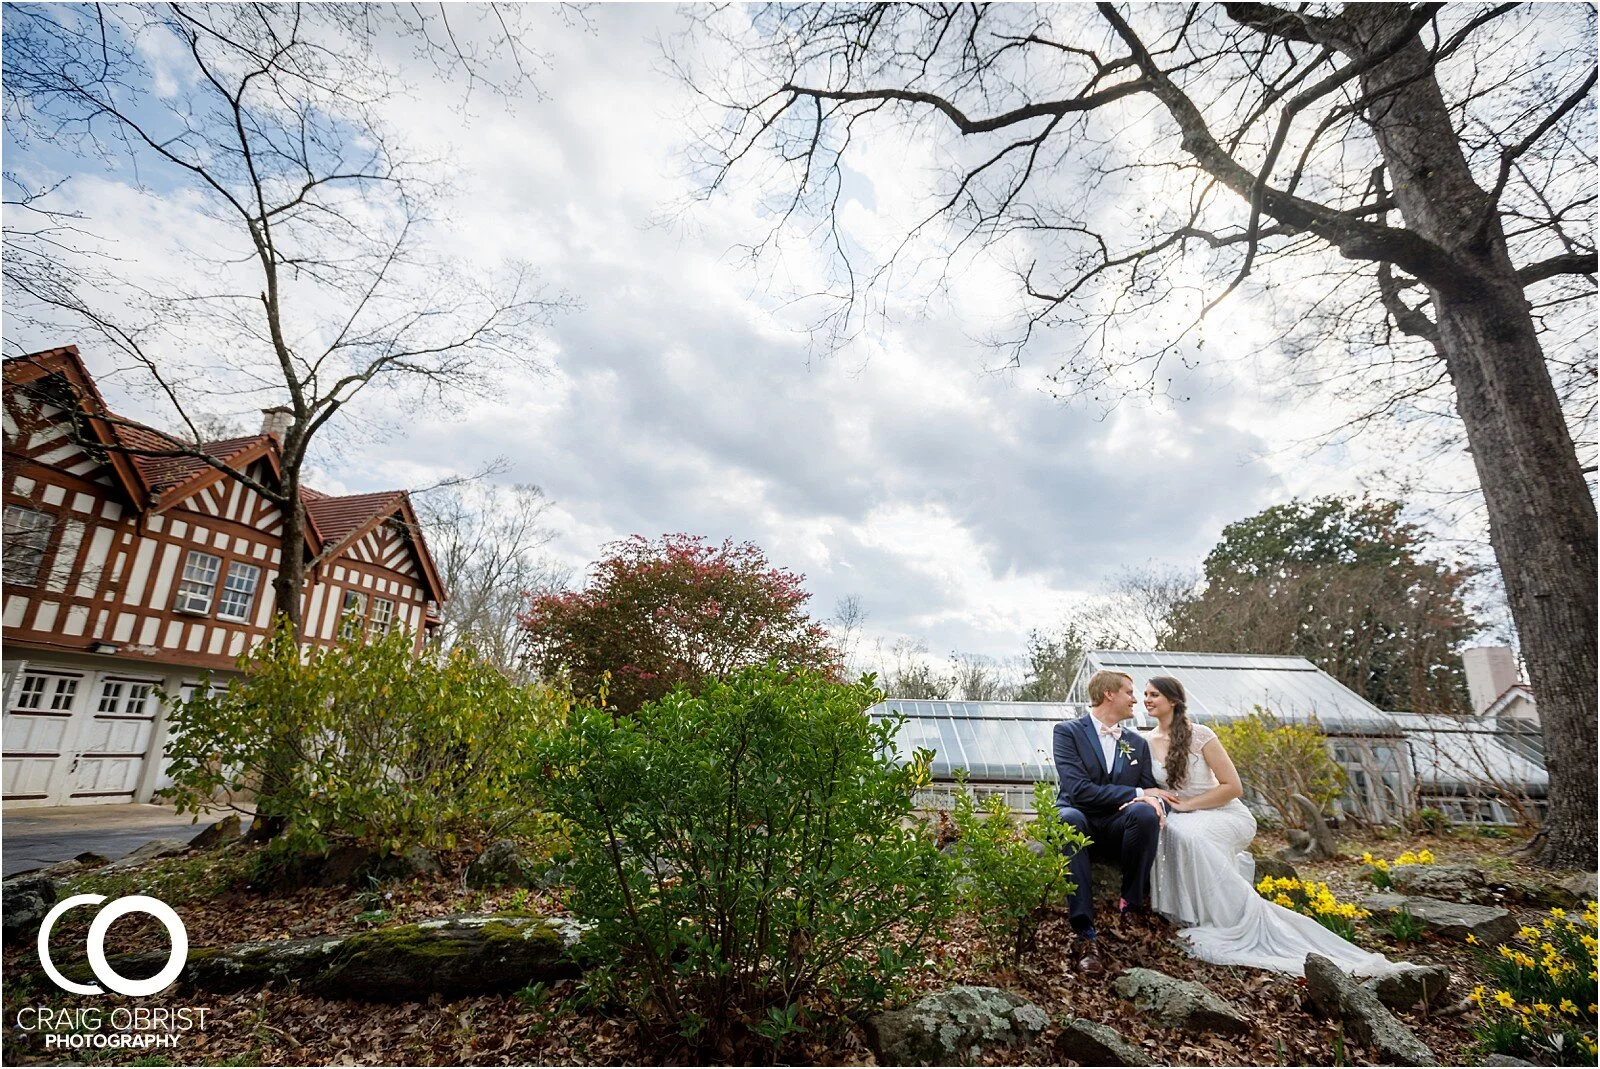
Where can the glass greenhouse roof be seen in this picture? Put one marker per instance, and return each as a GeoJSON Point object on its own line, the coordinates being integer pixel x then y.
{"type": "Point", "coordinates": [995, 742]}
{"type": "Point", "coordinates": [1227, 686]}
{"type": "Point", "coordinates": [1452, 753]}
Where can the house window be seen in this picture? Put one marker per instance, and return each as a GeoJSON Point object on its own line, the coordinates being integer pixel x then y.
{"type": "Point", "coordinates": [355, 607]}
{"type": "Point", "coordinates": [33, 691]}
{"type": "Point", "coordinates": [382, 617]}
{"type": "Point", "coordinates": [27, 537]}
{"type": "Point", "coordinates": [124, 697]}
{"type": "Point", "coordinates": [66, 690]}
{"type": "Point", "coordinates": [199, 582]}
{"type": "Point", "coordinates": [238, 591]}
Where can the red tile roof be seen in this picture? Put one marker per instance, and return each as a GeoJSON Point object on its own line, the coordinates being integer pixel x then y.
{"type": "Point", "coordinates": [334, 518]}
{"type": "Point", "coordinates": [163, 473]}
{"type": "Point", "coordinates": [337, 517]}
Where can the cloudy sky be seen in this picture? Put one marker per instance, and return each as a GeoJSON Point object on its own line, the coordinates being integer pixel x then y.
{"type": "Point", "coordinates": [961, 506]}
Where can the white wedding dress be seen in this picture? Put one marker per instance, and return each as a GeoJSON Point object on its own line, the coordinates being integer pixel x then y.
{"type": "Point", "coordinates": [1204, 881]}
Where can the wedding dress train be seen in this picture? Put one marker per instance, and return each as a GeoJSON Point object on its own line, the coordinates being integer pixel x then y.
{"type": "Point", "coordinates": [1204, 881]}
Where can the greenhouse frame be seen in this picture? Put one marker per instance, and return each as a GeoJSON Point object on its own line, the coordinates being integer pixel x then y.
{"type": "Point", "coordinates": [1394, 762]}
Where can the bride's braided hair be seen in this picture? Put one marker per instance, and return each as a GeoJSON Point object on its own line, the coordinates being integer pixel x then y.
{"type": "Point", "coordinates": [1181, 732]}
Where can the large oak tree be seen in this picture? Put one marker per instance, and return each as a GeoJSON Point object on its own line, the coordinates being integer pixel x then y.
{"type": "Point", "coordinates": [1410, 187]}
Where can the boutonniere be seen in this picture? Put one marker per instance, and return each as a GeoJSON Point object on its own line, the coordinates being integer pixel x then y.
{"type": "Point", "coordinates": [1126, 751]}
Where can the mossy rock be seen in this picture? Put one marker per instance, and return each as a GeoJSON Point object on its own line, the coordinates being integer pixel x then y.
{"type": "Point", "coordinates": [468, 954]}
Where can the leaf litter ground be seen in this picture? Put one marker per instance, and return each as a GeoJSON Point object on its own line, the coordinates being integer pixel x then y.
{"type": "Point", "coordinates": [279, 1026]}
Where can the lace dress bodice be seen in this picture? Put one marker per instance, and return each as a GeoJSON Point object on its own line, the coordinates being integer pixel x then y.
{"type": "Point", "coordinates": [1200, 777]}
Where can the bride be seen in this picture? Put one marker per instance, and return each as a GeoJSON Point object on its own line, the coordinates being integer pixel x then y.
{"type": "Point", "coordinates": [1203, 878]}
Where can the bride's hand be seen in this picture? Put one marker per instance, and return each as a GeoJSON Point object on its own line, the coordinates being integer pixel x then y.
{"type": "Point", "coordinates": [1180, 806]}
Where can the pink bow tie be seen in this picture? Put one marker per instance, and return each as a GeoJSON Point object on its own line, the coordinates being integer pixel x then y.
{"type": "Point", "coordinates": [1111, 732]}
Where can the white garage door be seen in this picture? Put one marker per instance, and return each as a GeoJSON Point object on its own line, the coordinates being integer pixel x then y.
{"type": "Point", "coordinates": [76, 738]}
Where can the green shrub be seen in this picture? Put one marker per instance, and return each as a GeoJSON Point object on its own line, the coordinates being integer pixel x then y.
{"type": "Point", "coordinates": [375, 746]}
{"type": "Point", "coordinates": [1432, 821]}
{"type": "Point", "coordinates": [1006, 885]}
{"type": "Point", "coordinates": [748, 855]}
{"type": "Point", "coordinates": [1277, 760]}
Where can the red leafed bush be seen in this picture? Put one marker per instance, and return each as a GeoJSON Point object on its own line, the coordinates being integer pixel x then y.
{"type": "Point", "coordinates": [674, 612]}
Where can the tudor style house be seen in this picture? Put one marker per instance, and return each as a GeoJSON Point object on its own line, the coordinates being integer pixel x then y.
{"type": "Point", "coordinates": [127, 575]}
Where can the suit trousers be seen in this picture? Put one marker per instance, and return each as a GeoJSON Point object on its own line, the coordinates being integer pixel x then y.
{"type": "Point", "coordinates": [1128, 837]}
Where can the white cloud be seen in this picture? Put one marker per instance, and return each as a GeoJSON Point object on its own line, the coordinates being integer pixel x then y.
{"type": "Point", "coordinates": [962, 507]}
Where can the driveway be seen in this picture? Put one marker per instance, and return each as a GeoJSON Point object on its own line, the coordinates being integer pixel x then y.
{"type": "Point", "coordinates": [33, 837]}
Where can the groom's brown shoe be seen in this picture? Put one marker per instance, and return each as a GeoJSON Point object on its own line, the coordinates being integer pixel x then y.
{"type": "Point", "coordinates": [1089, 964]}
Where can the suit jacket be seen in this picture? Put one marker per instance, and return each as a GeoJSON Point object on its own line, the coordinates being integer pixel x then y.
{"type": "Point", "coordinates": [1085, 785]}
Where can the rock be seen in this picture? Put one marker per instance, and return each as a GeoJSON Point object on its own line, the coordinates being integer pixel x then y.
{"type": "Point", "coordinates": [355, 865]}
{"type": "Point", "coordinates": [84, 862]}
{"type": "Point", "coordinates": [1105, 881]}
{"type": "Point", "coordinates": [954, 1027]}
{"type": "Point", "coordinates": [1276, 867]}
{"type": "Point", "coordinates": [1316, 843]}
{"type": "Point", "coordinates": [222, 832]}
{"type": "Point", "coordinates": [416, 862]}
{"type": "Point", "coordinates": [1089, 1043]}
{"type": "Point", "coordinates": [500, 865]}
{"type": "Point", "coordinates": [469, 954]}
{"type": "Point", "coordinates": [1582, 887]}
{"type": "Point", "coordinates": [1180, 1003]}
{"type": "Point", "coordinates": [1453, 920]}
{"type": "Point", "coordinates": [554, 876]}
{"type": "Point", "coordinates": [1505, 1059]}
{"type": "Point", "coordinates": [153, 850]}
{"type": "Point", "coordinates": [1405, 988]}
{"type": "Point", "coordinates": [24, 900]}
{"type": "Point", "coordinates": [1366, 1020]}
{"type": "Point", "coordinates": [1456, 883]}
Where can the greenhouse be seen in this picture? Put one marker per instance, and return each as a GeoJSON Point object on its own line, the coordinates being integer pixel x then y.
{"type": "Point", "coordinates": [1393, 762]}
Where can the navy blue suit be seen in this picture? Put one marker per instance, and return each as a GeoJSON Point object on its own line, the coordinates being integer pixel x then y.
{"type": "Point", "coordinates": [1091, 800]}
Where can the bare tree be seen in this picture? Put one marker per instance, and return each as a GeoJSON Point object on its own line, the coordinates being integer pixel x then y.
{"type": "Point", "coordinates": [981, 679]}
{"type": "Point", "coordinates": [486, 541]}
{"type": "Point", "coordinates": [849, 616]}
{"type": "Point", "coordinates": [325, 287]}
{"type": "Point", "coordinates": [1137, 609]}
{"type": "Point", "coordinates": [1427, 169]}
{"type": "Point", "coordinates": [907, 673]}
{"type": "Point", "coordinates": [313, 282]}
{"type": "Point", "coordinates": [1053, 662]}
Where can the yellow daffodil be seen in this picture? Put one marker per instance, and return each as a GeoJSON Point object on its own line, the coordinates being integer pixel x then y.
{"type": "Point", "coordinates": [1530, 934]}
{"type": "Point", "coordinates": [1567, 1006]}
{"type": "Point", "coordinates": [1505, 999]}
{"type": "Point", "coordinates": [1472, 939]}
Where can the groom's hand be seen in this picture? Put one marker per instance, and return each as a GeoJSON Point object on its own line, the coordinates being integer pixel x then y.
{"type": "Point", "coordinates": [1154, 801]}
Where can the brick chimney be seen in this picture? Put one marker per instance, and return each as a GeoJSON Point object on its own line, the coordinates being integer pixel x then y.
{"type": "Point", "coordinates": [275, 421]}
{"type": "Point", "coordinates": [1491, 671]}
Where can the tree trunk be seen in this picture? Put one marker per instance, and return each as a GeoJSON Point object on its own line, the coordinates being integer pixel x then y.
{"type": "Point", "coordinates": [1542, 521]}
{"type": "Point", "coordinates": [290, 583]}
{"type": "Point", "coordinates": [286, 593]}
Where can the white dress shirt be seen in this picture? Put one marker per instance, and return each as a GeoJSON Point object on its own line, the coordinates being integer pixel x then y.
{"type": "Point", "coordinates": [1108, 751]}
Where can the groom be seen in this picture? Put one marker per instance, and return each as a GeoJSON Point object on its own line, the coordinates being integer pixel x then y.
{"type": "Point", "coordinates": [1108, 792]}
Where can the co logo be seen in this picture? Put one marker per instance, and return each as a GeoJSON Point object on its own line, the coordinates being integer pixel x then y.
{"type": "Point", "coordinates": [97, 945]}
